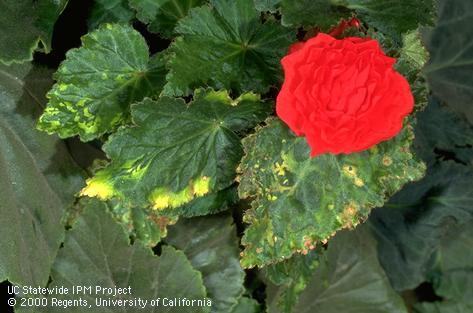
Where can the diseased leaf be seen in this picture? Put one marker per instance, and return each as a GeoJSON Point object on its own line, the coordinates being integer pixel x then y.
{"type": "Point", "coordinates": [97, 83]}
{"type": "Point", "coordinates": [226, 46]}
{"type": "Point", "coordinates": [300, 201]}
{"type": "Point", "coordinates": [143, 224]}
{"type": "Point", "coordinates": [212, 247]}
{"type": "Point", "coordinates": [26, 26]}
{"type": "Point", "coordinates": [393, 17]}
{"type": "Point", "coordinates": [163, 15]}
{"type": "Point", "coordinates": [97, 253]}
{"type": "Point", "coordinates": [409, 229]}
{"type": "Point", "coordinates": [209, 204]}
{"type": "Point", "coordinates": [349, 279]}
{"type": "Point", "coordinates": [37, 179]}
{"type": "Point", "coordinates": [176, 152]}
{"type": "Point", "coordinates": [110, 11]}
{"type": "Point", "coordinates": [450, 45]}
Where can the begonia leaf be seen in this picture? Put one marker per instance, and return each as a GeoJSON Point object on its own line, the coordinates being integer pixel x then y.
{"type": "Point", "coordinates": [300, 201]}
{"type": "Point", "coordinates": [97, 83]}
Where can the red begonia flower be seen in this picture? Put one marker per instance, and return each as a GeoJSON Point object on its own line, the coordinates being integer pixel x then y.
{"type": "Point", "coordinates": [343, 95]}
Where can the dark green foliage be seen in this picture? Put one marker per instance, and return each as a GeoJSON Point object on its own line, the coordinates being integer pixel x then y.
{"type": "Point", "coordinates": [197, 190]}
{"type": "Point", "coordinates": [450, 44]}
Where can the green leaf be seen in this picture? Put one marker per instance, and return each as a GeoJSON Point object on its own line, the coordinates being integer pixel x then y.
{"type": "Point", "coordinates": [413, 52]}
{"type": "Point", "coordinates": [110, 11]}
{"type": "Point", "coordinates": [97, 83]}
{"type": "Point", "coordinates": [246, 305]}
{"type": "Point", "coordinates": [143, 224]}
{"type": "Point", "coordinates": [177, 152]}
{"type": "Point", "coordinates": [212, 247]}
{"type": "Point", "coordinates": [209, 204]}
{"type": "Point", "coordinates": [26, 26]}
{"type": "Point", "coordinates": [393, 17]}
{"type": "Point", "coordinates": [320, 13]}
{"type": "Point", "coordinates": [37, 179]}
{"type": "Point", "coordinates": [439, 128]}
{"type": "Point", "coordinates": [412, 59]}
{"type": "Point", "coordinates": [267, 5]}
{"type": "Point", "coordinates": [409, 229]}
{"type": "Point", "coordinates": [450, 45]}
{"type": "Point", "coordinates": [300, 201]}
{"type": "Point", "coordinates": [442, 307]}
{"type": "Point", "coordinates": [226, 46]}
{"type": "Point", "coordinates": [97, 253]}
{"type": "Point", "coordinates": [163, 15]}
{"type": "Point", "coordinates": [349, 279]}
{"type": "Point", "coordinates": [308, 13]}
{"type": "Point", "coordinates": [453, 272]}
{"type": "Point", "coordinates": [292, 275]}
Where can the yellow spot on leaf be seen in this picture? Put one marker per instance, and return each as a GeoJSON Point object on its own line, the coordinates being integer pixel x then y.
{"type": "Point", "coordinates": [348, 215]}
{"type": "Point", "coordinates": [162, 198]}
{"type": "Point", "coordinates": [98, 187]}
{"type": "Point", "coordinates": [359, 182]}
{"type": "Point", "coordinates": [202, 186]}
{"type": "Point", "coordinates": [279, 169]}
{"type": "Point", "coordinates": [387, 161]}
{"type": "Point", "coordinates": [349, 170]}
{"type": "Point", "coordinates": [62, 87]}
{"type": "Point", "coordinates": [160, 201]}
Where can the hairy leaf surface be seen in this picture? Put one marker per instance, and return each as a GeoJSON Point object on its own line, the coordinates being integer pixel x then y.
{"type": "Point", "coordinates": [177, 152]}
{"type": "Point", "coordinates": [226, 46]}
{"type": "Point", "coordinates": [97, 83]}
{"type": "Point", "coordinates": [300, 201]}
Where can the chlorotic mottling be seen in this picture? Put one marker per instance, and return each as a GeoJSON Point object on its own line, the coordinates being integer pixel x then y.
{"type": "Point", "coordinates": [99, 187]}
{"type": "Point", "coordinates": [176, 152]}
{"type": "Point", "coordinates": [303, 200]}
{"type": "Point", "coordinates": [98, 81]}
